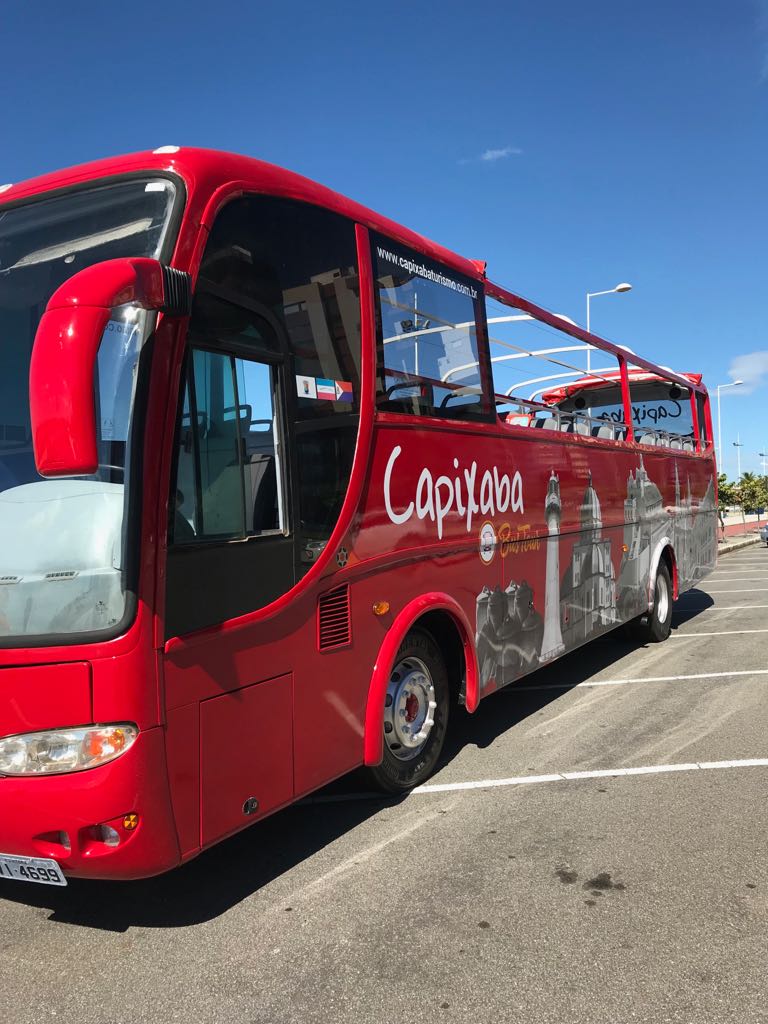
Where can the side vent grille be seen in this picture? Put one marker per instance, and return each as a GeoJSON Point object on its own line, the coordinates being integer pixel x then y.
{"type": "Point", "coordinates": [333, 625]}
{"type": "Point", "coordinates": [8, 581]}
{"type": "Point", "coordinates": [177, 292]}
{"type": "Point", "coordinates": [54, 577]}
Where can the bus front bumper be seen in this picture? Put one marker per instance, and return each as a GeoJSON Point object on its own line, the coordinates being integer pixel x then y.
{"type": "Point", "coordinates": [111, 822]}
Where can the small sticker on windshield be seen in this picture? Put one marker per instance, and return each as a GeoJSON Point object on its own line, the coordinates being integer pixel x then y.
{"type": "Point", "coordinates": [305, 387]}
{"type": "Point", "coordinates": [324, 389]}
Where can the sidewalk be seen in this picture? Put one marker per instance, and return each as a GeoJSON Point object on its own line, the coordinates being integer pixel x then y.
{"type": "Point", "coordinates": [736, 528]}
{"type": "Point", "coordinates": [735, 541]}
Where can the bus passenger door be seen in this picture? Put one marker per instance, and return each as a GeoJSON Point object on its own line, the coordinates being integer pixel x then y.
{"type": "Point", "coordinates": [230, 552]}
{"type": "Point", "coordinates": [230, 549]}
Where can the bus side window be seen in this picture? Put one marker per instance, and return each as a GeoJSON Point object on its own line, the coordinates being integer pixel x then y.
{"type": "Point", "coordinates": [700, 411]}
{"type": "Point", "coordinates": [428, 352]}
{"type": "Point", "coordinates": [227, 480]}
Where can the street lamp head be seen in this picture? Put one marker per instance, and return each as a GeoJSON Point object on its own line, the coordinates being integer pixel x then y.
{"type": "Point", "coordinates": [736, 382]}
{"type": "Point", "coordinates": [623, 287]}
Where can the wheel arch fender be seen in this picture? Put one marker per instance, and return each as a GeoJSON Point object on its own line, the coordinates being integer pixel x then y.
{"type": "Point", "coordinates": [663, 547]}
{"type": "Point", "coordinates": [373, 737]}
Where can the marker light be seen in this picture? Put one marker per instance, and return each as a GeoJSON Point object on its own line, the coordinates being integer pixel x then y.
{"type": "Point", "coordinates": [64, 750]}
{"type": "Point", "coordinates": [380, 607]}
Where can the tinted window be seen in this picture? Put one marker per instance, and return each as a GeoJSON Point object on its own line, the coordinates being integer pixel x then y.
{"type": "Point", "coordinates": [661, 412]}
{"type": "Point", "coordinates": [701, 413]}
{"type": "Point", "coordinates": [428, 346]}
{"type": "Point", "coordinates": [228, 460]}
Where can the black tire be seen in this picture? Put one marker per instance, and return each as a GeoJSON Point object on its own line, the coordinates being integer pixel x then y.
{"type": "Point", "coordinates": [401, 769]}
{"type": "Point", "coordinates": [654, 627]}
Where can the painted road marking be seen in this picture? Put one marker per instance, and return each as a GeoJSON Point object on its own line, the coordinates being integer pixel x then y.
{"type": "Point", "coordinates": [744, 565]}
{"type": "Point", "coordinates": [712, 608]}
{"type": "Point", "coordinates": [739, 590]}
{"type": "Point", "coordinates": [602, 773]}
{"type": "Point", "coordinates": [590, 683]}
{"type": "Point", "coordinates": [722, 632]}
{"type": "Point", "coordinates": [740, 579]}
{"type": "Point", "coordinates": [532, 780]}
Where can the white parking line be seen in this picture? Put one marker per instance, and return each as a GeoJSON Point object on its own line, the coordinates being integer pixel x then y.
{"type": "Point", "coordinates": [720, 608]}
{"type": "Point", "coordinates": [739, 579]}
{"type": "Point", "coordinates": [591, 683]}
{"type": "Point", "coordinates": [602, 773]}
{"type": "Point", "coordinates": [722, 632]}
{"type": "Point", "coordinates": [743, 565]}
{"type": "Point", "coordinates": [739, 590]}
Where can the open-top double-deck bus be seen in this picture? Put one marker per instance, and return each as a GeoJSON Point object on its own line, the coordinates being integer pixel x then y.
{"type": "Point", "coordinates": [281, 484]}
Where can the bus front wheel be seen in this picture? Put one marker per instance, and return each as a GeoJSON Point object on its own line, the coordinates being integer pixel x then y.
{"type": "Point", "coordinates": [655, 625]}
{"type": "Point", "coordinates": [416, 709]}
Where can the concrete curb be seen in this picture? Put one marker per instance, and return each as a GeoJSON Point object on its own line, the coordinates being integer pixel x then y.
{"type": "Point", "coordinates": [736, 544]}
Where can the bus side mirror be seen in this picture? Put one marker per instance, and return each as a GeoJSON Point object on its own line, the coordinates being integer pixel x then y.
{"type": "Point", "coordinates": [61, 373]}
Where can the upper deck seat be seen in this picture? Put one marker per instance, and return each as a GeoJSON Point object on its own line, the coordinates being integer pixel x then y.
{"type": "Point", "coordinates": [603, 430]}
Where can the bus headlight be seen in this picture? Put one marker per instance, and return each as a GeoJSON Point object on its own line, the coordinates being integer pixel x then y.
{"type": "Point", "coordinates": [64, 750]}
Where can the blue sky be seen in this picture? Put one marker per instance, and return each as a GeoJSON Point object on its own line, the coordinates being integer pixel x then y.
{"type": "Point", "coordinates": [623, 141]}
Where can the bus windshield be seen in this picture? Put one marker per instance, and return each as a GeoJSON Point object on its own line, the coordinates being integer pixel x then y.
{"type": "Point", "coordinates": [62, 557]}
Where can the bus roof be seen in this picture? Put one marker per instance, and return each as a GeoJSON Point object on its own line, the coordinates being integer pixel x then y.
{"type": "Point", "coordinates": [204, 171]}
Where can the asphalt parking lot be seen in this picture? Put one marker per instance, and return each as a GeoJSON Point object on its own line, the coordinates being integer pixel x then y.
{"type": "Point", "coordinates": [614, 871]}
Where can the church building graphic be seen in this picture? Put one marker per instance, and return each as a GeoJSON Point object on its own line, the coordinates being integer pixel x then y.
{"type": "Point", "coordinates": [588, 587]}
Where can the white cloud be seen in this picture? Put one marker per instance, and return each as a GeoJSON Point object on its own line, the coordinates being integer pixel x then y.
{"type": "Point", "coordinates": [752, 368]}
{"type": "Point", "coordinates": [491, 155]}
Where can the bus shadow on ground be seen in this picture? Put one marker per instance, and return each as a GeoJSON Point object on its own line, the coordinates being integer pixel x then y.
{"type": "Point", "coordinates": [689, 605]}
{"type": "Point", "coordinates": [239, 867]}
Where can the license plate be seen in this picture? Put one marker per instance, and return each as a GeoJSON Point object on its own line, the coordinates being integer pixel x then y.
{"type": "Point", "coordinates": [31, 869]}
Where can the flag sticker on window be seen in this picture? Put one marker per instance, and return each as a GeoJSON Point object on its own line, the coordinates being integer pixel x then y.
{"type": "Point", "coordinates": [305, 387]}
{"type": "Point", "coordinates": [323, 389]}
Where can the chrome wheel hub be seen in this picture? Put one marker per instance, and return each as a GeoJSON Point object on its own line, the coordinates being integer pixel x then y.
{"type": "Point", "coordinates": [409, 708]}
{"type": "Point", "coordinates": [662, 599]}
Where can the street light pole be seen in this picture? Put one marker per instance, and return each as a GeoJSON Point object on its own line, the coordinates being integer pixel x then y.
{"type": "Point", "coordinates": [733, 384]}
{"type": "Point", "coordinates": [738, 445]}
{"type": "Point", "coordinates": [623, 287]}
{"type": "Point", "coordinates": [763, 456]}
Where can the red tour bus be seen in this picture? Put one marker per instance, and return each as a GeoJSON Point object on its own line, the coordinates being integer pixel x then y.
{"type": "Point", "coordinates": [281, 484]}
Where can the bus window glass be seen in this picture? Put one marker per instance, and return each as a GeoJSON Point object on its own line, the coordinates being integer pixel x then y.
{"type": "Point", "coordinates": [227, 482]}
{"type": "Point", "coordinates": [280, 277]}
{"type": "Point", "coordinates": [701, 413]}
{"type": "Point", "coordinates": [78, 531]}
{"type": "Point", "coordinates": [661, 411]}
{"type": "Point", "coordinates": [428, 346]}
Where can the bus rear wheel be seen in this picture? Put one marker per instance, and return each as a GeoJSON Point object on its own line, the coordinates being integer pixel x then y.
{"type": "Point", "coordinates": [654, 627]}
{"type": "Point", "coordinates": [416, 710]}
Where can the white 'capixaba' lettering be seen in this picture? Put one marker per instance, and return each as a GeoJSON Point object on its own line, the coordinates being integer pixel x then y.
{"type": "Point", "coordinates": [435, 499]}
